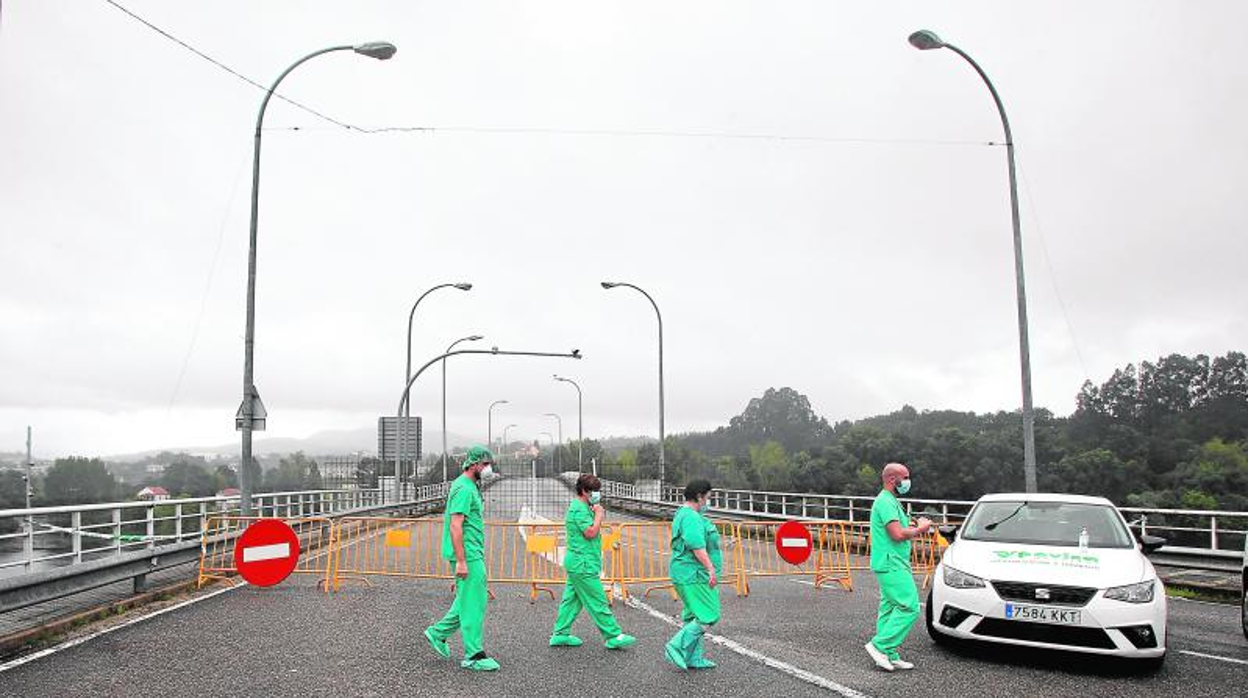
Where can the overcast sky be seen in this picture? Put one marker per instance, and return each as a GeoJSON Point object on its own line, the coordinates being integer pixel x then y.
{"type": "Point", "coordinates": [858, 250]}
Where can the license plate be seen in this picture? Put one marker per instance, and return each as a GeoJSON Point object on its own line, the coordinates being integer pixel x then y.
{"type": "Point", "coordinates": [1041, 614]}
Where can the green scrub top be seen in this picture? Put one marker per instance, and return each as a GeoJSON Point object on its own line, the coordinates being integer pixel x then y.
{"type": "Point", "coordinates": [691, 531]}
{"type": "Point", "coordinates": [888, 555]}
{"type": "Point", "coordinates": [464, 499]}
{"type": "Point", "coordinates": [583, 555]}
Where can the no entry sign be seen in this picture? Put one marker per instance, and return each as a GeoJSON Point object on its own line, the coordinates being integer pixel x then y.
{"type": "Point", "coordinates": [793, 542]}
{"type": "Point", "coordinates": [266, 553]}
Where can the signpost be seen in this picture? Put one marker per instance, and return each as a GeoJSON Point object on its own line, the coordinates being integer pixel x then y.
{"type": "Point", "coordinates": [793, 542]}
{"type": "Point", "coordinates": [267, 552]}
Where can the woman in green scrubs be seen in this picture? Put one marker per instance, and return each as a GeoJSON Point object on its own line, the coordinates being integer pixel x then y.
{"type": "Point", "coordinates": [695, 568]}
{"type": "Point", "coordinates": [583, 562]}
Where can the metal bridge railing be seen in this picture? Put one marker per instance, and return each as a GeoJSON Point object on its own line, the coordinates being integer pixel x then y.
{"type": "Point", "coordinates": [1197, 529]}
{"type": "Point", "coordinates": [48, 537]}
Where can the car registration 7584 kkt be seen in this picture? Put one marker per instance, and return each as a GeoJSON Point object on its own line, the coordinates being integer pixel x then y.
{"type": "Point", "coordinates": [1042, 614]}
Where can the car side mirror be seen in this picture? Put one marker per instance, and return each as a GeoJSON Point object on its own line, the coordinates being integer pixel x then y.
{"type": "Point", "coordinates": [1152, 544]}
{"type": "Point", "coordinates": [949, 531]}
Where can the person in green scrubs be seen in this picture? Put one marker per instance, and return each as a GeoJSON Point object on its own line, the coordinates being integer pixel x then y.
{"type": "Point", "coordinates": [695, 568]}
{"type": "Point", "coordinates": [463, 543]}
{"type": "Point", "coordinates": [891, 533]}
{"type": "Point", "coordinates": [583, 561]}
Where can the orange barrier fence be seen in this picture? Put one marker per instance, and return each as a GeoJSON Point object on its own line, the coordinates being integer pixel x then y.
{"type": "Point", "coordinates": [531, 554]}
{"type": "Point", "coordinates": [828, 561]}
{"type": "Point", "coordinates": [216, 552]}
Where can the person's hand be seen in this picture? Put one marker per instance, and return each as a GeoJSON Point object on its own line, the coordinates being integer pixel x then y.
{"type": "Point", "coordinates": [598, 510]}
{"type": "Point", "coordinates": [712, 581]}
{"type": "Point", "coordinates": [925, 524]}
{"type": "Point", "coordinates": [461, 569]}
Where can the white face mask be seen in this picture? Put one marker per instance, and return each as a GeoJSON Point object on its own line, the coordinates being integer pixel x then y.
{"type": "Point", "coordinates": [487, 471]}
{"type": "Point", "coordinates": [595, 497]}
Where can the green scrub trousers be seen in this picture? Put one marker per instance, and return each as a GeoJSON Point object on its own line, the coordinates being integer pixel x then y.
{"type": "Point", "coordinates": [585, 591]}
{"type": "Point", "coordinates": [699, 608]}
{"type": "Point", "coordinates": [899, 608]}
{"type": "Point", "coordinates": [467, 614]}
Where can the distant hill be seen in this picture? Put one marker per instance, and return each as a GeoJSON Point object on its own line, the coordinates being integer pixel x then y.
{"type": "Point", "coordinates": [334, 442]}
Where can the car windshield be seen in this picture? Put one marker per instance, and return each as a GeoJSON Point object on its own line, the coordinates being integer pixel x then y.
{"type": "Point", "coordinates": [1046, 523]}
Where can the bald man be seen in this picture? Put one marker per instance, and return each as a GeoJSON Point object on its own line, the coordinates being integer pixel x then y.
{"type": "Point", "coordinates": [890, 561]}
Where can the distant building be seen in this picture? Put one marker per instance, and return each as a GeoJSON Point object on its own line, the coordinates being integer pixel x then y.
{"type": "Point", "coordinates": [388, 433]}
{"type": "Point", "coordinates": [339, 472]}
{"type": "Point", "coordinates": [229, 492]}
{"type": "Point", "coordinates": [153, 494]}
{"type": "Point", "coordinates": [156, 468]}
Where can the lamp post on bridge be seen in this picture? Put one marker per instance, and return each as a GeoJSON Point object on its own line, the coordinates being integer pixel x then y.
{"type": "Point", "coordinates": [503, 444]}
{"type": "Point", "coordinates": [925, 40]}
{"type": "Point", "coordinates": [251, 414]}
{"type": "Point", "coordinates": [662, 457]}
{"type": "Point", "coordinates": [580, 423]}
{"type": "Point", "coordinates": [407, 389]}
{"type": "Point", "coordinates": [559, 420]}
{"type": "Point", "coordinates": [489, 422]}
{"type": "Point", "coordinates": [551, 437]}
{"type": "Point", "coordinates": [471, 338]}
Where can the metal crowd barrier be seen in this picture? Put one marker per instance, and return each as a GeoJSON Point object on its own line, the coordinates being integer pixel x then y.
{"type": "Point", "coordinates": [216, 557]}
{"type": "Point", "coordinates": [531, 554]}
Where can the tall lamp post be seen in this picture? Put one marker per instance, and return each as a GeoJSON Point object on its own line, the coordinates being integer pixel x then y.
{"type": "Point", "coordinates": [502, 446]}
{"type": "Point", "coordinates": [489, 423]}
{"type": "Point", "coordinates": [549, 436]}
{"type": "Point", "coordinates": [580, 434]}
{"type": "Point", "coordinates": [251, 414]}
{"type": "Point", "coordinates": [925, 40]}
{"type": "Point", "coordinates": [657, 314]}
{"type": "Point", "coordinates": [407, 377]}
{"type": "Point", "coordinates": [471, 338]}
{"type": "Point", "coordinates": [559, 421]}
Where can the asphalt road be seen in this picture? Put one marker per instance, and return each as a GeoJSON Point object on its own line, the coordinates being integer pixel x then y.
{"type": "Point", "coordinates": [788, 639]}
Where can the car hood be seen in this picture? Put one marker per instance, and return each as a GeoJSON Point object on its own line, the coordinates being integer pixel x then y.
{"type": "Point", "coordinates": [1049, 564]}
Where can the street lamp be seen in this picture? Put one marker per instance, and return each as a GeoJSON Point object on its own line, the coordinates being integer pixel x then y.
{"type": "Point", "coordinates": [552, 443]}
{"type": "Point", "coordinates": [471, 338]}
{"type": "Point", "coordinates": [580, 434]}
{"type": "Point", "coordinates": [503, 445]}
{"type": "Point", "coordinates": [401, 439]}
{"type": "Point", "coordinates": [559, 420]}
{"type": "Point", "coordinates": [662, 457]}
{"type": "Point", "coordinates": [925, 41]}
{"type": "Point", "coordinates": [251, 414]}
{"type": "Point", "coordinates": [494, 351]}
{"type": "Point", "coordinates": [489, 422]}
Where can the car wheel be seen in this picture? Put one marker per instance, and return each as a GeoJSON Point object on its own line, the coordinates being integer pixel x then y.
{"type": "Point", "coordinates": [938, 637]}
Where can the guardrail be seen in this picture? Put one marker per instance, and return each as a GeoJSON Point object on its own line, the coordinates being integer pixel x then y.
{"type": "Point", "coordinates": [139, 538]}
{"type": "Point", "coordinates": [1207, 539]}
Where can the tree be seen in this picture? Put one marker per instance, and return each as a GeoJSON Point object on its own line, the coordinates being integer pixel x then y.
{"type": "Point", "coordinates": [186, 479]}
{"type": "Point", "coordinates": [77, 480]}
{"type": "Point", "coordinates": [294, 472]}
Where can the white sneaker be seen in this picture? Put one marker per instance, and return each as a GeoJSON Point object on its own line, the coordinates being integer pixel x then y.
{"type": "Point", "coordinates": [880, 659]}
{"type": "Point", "coordinates": [902, 664]}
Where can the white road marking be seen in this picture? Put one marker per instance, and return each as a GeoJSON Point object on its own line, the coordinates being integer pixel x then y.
{"type": "Point", "coordinates": [259, 553]}
{"type": "Point", "coordinates": [794, 543]}
{"type": "Point", "coordinates": [1214, 656]}
{"type": "Point", "coordinates": [86, 638]}
{"type": "Point", "coordinates": [782, 667]}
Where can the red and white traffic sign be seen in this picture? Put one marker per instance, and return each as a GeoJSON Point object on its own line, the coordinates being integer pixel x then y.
{"type": "Point", "coordinates": [267, 552]}
{"type": "Point", "coordinates": [793, 542]}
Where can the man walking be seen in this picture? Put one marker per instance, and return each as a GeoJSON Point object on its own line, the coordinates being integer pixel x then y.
{"type": "Point", "coordinates": [463, 543]}
{"type": "Point", "coordinates": [891, 533]}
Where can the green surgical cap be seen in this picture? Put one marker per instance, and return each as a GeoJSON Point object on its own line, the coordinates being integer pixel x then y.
{"type": "Point", "coordinates": [476, 454]}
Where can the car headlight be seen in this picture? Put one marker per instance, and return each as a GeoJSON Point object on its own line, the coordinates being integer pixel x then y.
{"type": "Point", "coordinates": [957, 579]}
{"type": "Point", "coordinates": [1133, 593]}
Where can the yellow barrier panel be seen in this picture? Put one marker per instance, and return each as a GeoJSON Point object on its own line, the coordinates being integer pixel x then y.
{"type": "Point", "coordinates": [366, 547]}
{"type": "Point", "coordinates": [216, 551]}
{"type": "Point", "coordinates": [640, 553]}
{"type": "Point", "coordinates": [828, 561]}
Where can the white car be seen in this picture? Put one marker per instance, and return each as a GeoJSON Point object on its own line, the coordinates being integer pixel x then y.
{"type": "Point", "coordinates": [1054, 571]}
